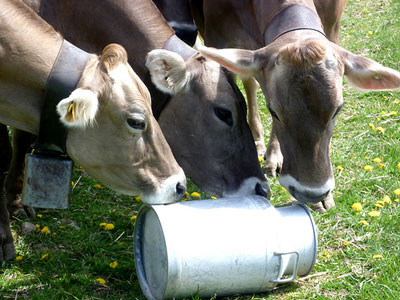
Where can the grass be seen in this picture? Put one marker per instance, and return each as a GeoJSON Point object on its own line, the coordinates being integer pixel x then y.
{"type": "Point", "coordinates": [80, 250]}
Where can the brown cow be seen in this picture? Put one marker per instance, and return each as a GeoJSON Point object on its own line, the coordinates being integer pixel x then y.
{"type": "Point", "coordinates": [204, 120]}
{"type": "Point", "coordinates": [111, 131]}
{"type": "Point", "coordinates": [300, 72]}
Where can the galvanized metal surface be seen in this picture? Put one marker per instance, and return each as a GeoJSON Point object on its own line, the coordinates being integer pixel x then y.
{"type": "Point", "coordinates": [47, 182]}
{"type": "Point", "coordinates": [223, 246]}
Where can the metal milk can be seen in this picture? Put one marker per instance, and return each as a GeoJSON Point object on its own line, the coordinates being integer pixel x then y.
{"type": "Point", "coordinates": [224, 246]}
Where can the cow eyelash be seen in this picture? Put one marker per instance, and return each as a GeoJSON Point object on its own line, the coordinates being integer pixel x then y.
{"type": "Point", "coordinates": [337, 111]}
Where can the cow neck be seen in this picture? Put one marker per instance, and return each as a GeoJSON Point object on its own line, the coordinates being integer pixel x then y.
{"type": "Point", "coordinates": [292, 18]}
{"type": "Point", "coordinates": [63, 79]}
{"type": "Point", "coordinates": [176, 45]}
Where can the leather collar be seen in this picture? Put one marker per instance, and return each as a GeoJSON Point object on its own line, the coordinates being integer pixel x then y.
{"type": "Point", "coordinates": [63, 79]}
{"type": "Point", "coordinates": [292, 18]}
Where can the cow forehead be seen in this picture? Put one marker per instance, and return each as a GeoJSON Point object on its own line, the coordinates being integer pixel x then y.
{"type": "Point", "coordinates": [217, 84]}
{"type": "Point", "coordinates": [318, 86]}
{"type": "Point", "coordinates": [128, 87]}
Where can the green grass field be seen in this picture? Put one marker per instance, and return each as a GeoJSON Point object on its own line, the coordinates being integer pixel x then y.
{"type": "Point", "coordinates": [71, 256]}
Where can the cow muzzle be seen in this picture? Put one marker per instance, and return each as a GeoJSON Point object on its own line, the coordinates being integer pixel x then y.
{"type": "Point", "coordinates": [305, 193]}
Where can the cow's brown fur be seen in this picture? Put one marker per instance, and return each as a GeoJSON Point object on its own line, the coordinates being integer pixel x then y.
{"type": "Point", "coordinates": [303, 56]}
{"type": "Point", "coordinates": [300, 73]}
{"type": "Point", "coordinates": [129, 160]}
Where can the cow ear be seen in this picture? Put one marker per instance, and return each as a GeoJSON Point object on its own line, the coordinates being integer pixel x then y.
{"type": "Point", "coordinates": [112, 56]}
{"type": "Point", "coordinates": [367, 74]}
{"type": "Point", "coordinates": [79, 109]}
{"type": "Point", "coordinates": [168, 71]}
{"type": "Point", "coordinates": [239, 61]}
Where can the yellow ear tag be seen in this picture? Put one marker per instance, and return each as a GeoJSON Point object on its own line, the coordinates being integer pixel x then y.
{"type": "Point", "coordinates": [71, 109]}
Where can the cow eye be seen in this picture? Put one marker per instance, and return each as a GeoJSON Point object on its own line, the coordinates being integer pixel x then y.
{"type": "Point", "coordinates": [224, 115]}
{"type": "Point", "coordinates": [337, 111]}
{"type": "Point", "coordinates": [137, 123]}
{"type": "Point", "coordinates": [273, 114]}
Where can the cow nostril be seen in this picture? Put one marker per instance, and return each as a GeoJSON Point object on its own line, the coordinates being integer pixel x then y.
{"type": "Point", "coordinates": [326, 194]}
{"type": "Point", "coordinates": [180, 190]}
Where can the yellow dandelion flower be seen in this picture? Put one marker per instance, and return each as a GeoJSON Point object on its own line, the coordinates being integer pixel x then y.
{"type": "Point", "coordinates": [98, 186]}
{"type": "Point", "coordinates": [45, 230]}
{"type": "Point", "coordinates": [113, 265]}
{"type": "Point", "coordinates": [39, 216]}
{"type": "Point", "coordinates": [103, 224]}
{"type": "Point", "coordinates": [72, 183]}
{"type": "Point", "coordinates": [397, 192]}
{"type": "Point", "coordinates": [325, 254]}
{"type": "Point", "coordinates": [357, 206]}
{"type": "Point", "coordinates": [377, 256]}
{"type": "Point", "coordinates": [186, 194]}
{"type": "Point", "coordinates": [109, 227]}
{"type": "Point", "coordinates": [212, 197]}
{"type": "Point", "coordinates": [185, 199]}
{"type": "Point", "coordinates": [396, 200]}
{"type": "Point", "coordinates": [398, 165]}
{"type": "Point", "coordinates": [380, 130]}
{"type": "Point", "coordinates": [346, 243]}
{"type": "Point", "coordinates": [363, 222]}
{"type": "Point", "coordinates": [378, 205]}
{"type": "Point", "coordinates": [138, 199]}
{"type": "Point", "coordinates": [368, 168]}
{"type": "Point", "coordinates": [195, 195]}
{"type": "Point", "coordinates": [377, 160]}
{"type": "Point", "coordinates": [101, 281]}
{"type": "Point", "coordinates": [133, 218]}
{"type": "Point", "coordinates": [383, 112]}
{"type": "Point", "coordinates": [37, 226]}
{"type": "Point", "coordinates": [396, 101]}
{"type": "Point", "coordinates": [372, 126]}
{"type": "Point", "coordinates": [283, 189]}
{"type": "Point", "coordinates": [380, 202]}
{"type": "Point", "coordinates": [374, 213]}
{"type": "Point", "coordinates": [387, 199]}
{"type": "Point", "coordinates": [392, 113]}
{"type": "Point", "coordinates": [19, 258]}
{"type": "Point", "coordinates": [44, 256]}
{"type": "Point", "coordinates": [381, 166]}
{"type": "Point", "coordinates": [370, 32]}
{"type": "Point", "coordinates": [261, 159]}
{"type": "Point", "coordinates": [339, 168]}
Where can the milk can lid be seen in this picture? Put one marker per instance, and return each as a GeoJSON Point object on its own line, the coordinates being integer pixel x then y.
{"type": "Point", "coordinates": [151, 258]}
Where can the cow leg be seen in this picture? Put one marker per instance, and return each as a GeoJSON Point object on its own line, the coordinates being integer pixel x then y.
{"type": "Point", "coordinates": [326, 204]}
{"type": "Point", "coordinates": [7, 250]}
{"type": "Point", "coordinates": [250, 86]}
{"type": "Point", "coordinates": [273, 157]}
{"type": "Point", "coordinates": [14, 182]}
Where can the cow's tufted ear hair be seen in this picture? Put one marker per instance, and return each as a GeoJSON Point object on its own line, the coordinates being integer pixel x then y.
{"type": "Point", "coordinates": [79, 109]}
{"type": "Point", "coordinates": [168, 71]}
{"type": "Point", "coordinates": [112, 56]}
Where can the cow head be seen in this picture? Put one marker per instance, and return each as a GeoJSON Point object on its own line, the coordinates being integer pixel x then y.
{"type": "Point", "coordinates": [302, 80]}
{"type": "Point", "coordinates": [205, 124]}
{"type": "Point", "coordinates": [113, 134]}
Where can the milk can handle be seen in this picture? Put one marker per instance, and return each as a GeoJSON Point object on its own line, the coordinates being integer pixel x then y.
{"type": "Point", "coordinates": [295, 268]}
